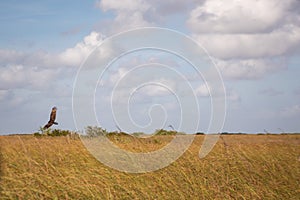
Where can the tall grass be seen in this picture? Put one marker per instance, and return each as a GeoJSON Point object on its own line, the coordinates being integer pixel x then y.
{"type": "Point", "coordinates": [1, 169]}
{"type": "Point", "coordinates": [247, 167]}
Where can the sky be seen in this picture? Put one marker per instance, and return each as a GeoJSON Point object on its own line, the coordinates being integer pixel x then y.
{"type": "Point", "coordinates": [255, 45]}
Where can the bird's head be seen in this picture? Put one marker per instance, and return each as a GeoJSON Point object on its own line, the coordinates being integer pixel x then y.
{"type": "Point", "coordinates": [54, 108]}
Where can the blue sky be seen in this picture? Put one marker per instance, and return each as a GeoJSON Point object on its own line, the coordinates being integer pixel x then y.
{"type": "Point", "coordinates": [47, 25]}
{"type": "Point", "coordinates": [255, 45]}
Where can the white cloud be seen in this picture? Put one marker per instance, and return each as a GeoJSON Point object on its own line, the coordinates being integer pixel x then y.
{"type": "Point", "coordinates": [235, 16]}
{"type": "Point", "coordinates": [227, 46]}
{"type": "Point", "coordinates": [37, 59]}
{"type": "Point", "coordinates": [76, 55]}
{"type": "Point", "coordinates": [129, 14]}
{"type": "Point", "coordinates": [118, 75]}
{"type": "Point", "coordinates": [159, 87]}
{"type": "Point", "coordinates": [248, 68]}
{"type": "Point", "coordinates": [19, 76]}
{"type": "Point", "coordinates": [72, 57]}
{"type": "Point", "coordinates": [243, 35]}
{"type": "Point", "coordinates": [170, 7]}
{"type": "Point", "coordinates": [246, 29]}
{"type": "Point", "coordinates": [38, 70]}
{"type": "Point", "coordinates": [247, 37]}
{"type": "Point", "coordinates": [141, 92]}
{"type": "Point", "coordinates": [11, 56]}
{"type": "Point", "coordinates": [203, 90]}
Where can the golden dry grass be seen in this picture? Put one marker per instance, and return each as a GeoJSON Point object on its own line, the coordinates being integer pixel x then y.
{"type": "Point", "coordinates": [247, 167]}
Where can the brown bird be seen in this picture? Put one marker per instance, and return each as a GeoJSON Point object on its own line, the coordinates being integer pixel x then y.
{"type": "Point", "coordinates": [52, 119]}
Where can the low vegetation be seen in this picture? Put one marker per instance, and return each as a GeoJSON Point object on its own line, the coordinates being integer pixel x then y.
{"type": "Point", "coordinates": [52, 132]}
{"type": "Point", "coordinates": [166, 132]}
{"type": "Point", "coordinates": [247, 167]}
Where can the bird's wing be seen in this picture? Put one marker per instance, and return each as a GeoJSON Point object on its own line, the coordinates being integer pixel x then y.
{"type": "Point", "coordinates": [52, 116]}
{"type": "Point", "coordinates": [48, 125]}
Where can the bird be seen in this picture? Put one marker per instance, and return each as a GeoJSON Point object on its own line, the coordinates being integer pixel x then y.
{"type": "Point", "coordinates": [170, 126]}
{"type": "Point", "coordinates": [52, 118]}
{"type": "Point", "coordinates": [120, 130]}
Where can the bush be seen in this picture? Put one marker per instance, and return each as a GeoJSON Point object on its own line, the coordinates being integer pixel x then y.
{"type": "Point", "coordinates": [43, 131]}
{"type": "Point", "coordinates": [58, 132]}
{"type": "Point", "coordinates": [164, 132]}
{"type": "Point", "coordinates": [37, 134]}
{"type": "Point", "coordinates": [224, 133]}
{"type": "Point", "coordinates": [93, 131]}
{"type": "Point", "coordinates": [50, 132]}
{"type": "Point", "coordinates": [137, 134]}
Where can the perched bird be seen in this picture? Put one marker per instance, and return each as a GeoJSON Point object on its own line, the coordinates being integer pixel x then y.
{"type": "Point", "coordinates": [170, 126]}
{"type": "Point", "coordinates": [52, 119]}
{"type": "Point", "coordinates": [119, 128]}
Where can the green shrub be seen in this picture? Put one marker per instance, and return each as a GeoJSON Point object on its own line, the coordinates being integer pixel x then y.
{"type": "Point", "coordinates": [165, 132]}
{"type": "Point", "coordinates": [137, 134]}
{"type": "Point", "coordinates": [43, 131]}
{"type": "Point", "coordinates": [37, 134]}
{"type": "Point", "coordinates": [58, 132]}
{"type": "Point", "coordinates": [50, 132]}
{"type": "Point", "coordinates": [93, 131]}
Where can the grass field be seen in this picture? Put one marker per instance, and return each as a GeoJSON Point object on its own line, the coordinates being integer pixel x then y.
{"type": "Point", "coordinates": [239, 167]}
